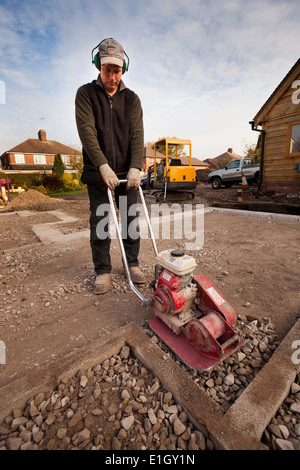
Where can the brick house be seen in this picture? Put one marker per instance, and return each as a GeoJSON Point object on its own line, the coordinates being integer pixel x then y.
{"type": "Point", "coordinates": [148, 158]}
{"type": "Point", "coordinates": [37, 156]}
{"type": "Point", "coordinates": [221, 160]}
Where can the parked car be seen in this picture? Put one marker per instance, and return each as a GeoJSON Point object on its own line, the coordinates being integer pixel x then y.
{"type": "Point", "coordinates": [232, 173]}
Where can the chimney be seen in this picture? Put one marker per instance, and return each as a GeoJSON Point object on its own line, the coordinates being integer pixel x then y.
{"type": "Point", "coordinates": [230, 150]}
{"type": "Point", "coordinates": [42, 135]}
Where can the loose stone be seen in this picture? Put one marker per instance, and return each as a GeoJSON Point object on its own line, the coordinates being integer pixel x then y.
{"type": "Point", "coordinates": [151, 416]}
{"type": "Point", "coordinates": [283, 444]}
{"type": "Point", "coordinates": [125, 351]}
{"type": "Point", "coordinates": [295, 407]}
{"type": "Point", "coordinates": [83, 435]}
{"type": "Point", "coordinates": [127, 422]}
{"type": "Point", "coordinates": [61, 433]}
{"type": "Point", "coordinates": [13, 443]}
{"type": "Point", "coordinates": [229, 379]}
{"type": "Point", "coordinates": [179, 427]}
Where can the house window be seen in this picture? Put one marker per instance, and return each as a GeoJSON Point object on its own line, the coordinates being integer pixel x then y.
{"type": "Point", "coordinates": [19, 158]}
{"type": "Point", "coordinates": [39, 159]}
{"type": "Point", "coordinates": [65, 159]}
{"type": "Point", "coordinates": [294, 138]}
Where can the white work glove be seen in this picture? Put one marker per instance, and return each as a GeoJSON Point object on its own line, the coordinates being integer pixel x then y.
{"type": "Point", "coordinates": [133, 178]}
{"type": "Point", "coordinates": [109, 176]}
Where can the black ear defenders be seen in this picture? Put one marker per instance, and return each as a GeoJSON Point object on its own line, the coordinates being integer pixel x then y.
{"type": "Point", "coordinates": [97, 63]}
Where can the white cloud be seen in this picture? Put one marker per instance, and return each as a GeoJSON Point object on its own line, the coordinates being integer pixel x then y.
{"type": "Point", "coordinates": [201, 68]}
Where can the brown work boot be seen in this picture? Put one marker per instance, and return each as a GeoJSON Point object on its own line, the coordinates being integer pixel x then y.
{"type": "Point", "coordinates": [102, 283]}
{"type": "Point", "coordinates": [137, 276]}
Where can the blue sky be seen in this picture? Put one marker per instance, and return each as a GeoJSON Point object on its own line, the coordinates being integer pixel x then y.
{"type": "Point", "coordinates": [202, 68]}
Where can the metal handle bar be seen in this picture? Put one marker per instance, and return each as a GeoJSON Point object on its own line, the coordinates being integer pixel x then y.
{"type": "Point", "coordinates": [145, 302]}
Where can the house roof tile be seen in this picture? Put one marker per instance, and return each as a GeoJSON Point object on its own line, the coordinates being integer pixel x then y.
{"type": "Point", "coordinates": [50, 147]}
{"type": "Point", "coordinates": [221, 160]}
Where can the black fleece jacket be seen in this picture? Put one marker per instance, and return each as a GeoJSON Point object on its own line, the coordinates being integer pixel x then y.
{"type": "Point", "coordinates": [110, 129]}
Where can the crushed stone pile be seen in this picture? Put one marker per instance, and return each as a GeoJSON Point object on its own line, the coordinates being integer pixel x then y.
{"type": "Point", "coordinates": [33, 200]}
{"type": "Point", "coordinates": [227, 380]}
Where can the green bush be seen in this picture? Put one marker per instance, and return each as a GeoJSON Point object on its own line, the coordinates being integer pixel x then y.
{"type": "Point", "coordinates": [68, 181]}
{"type": "Point", "coordinates": [41, 189]}
{"type": "Point", "coordinates": [58, 166]}
{"type": "Point", "coordinates": [24, 180]}
{"type": "Point", "coordinates": [51, 182]}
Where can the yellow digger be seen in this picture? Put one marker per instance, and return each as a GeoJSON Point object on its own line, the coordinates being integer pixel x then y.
{"type": "Point", "coordinates": [172, 180]}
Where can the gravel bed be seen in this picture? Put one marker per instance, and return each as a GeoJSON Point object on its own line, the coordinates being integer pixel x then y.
{"type": "Point", "coordinates": [120, 405]}
{"type": "Point", "coordinates": [227, 380]}
{"type": "Point", "coordinates": [112, 406]}
{"type": "Point", "coordinates": [224, 383]}
{"type": "Point", "coordinates": [283, 432]}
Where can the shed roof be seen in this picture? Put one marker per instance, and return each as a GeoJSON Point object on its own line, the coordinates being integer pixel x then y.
{"type": "Point", "coordinates": [277, 93]}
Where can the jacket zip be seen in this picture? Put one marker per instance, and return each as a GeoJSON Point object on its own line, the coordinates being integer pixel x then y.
{"type": "Point", "coordinates": [112, 133]}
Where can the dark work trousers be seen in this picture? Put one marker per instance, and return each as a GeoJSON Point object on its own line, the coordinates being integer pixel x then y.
{"type": "Point", "coordinates": [99, 230]}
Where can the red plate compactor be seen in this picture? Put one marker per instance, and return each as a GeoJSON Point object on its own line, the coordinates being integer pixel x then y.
{"type": "Point", "coordinates": [190, 315]}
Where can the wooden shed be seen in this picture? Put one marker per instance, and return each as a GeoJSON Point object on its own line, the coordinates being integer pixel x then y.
{"type": "Point", "coordinates": [279, 124]}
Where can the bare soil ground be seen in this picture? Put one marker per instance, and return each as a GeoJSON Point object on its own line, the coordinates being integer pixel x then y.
{"type": "Point", "coordinates": [47, 306]}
